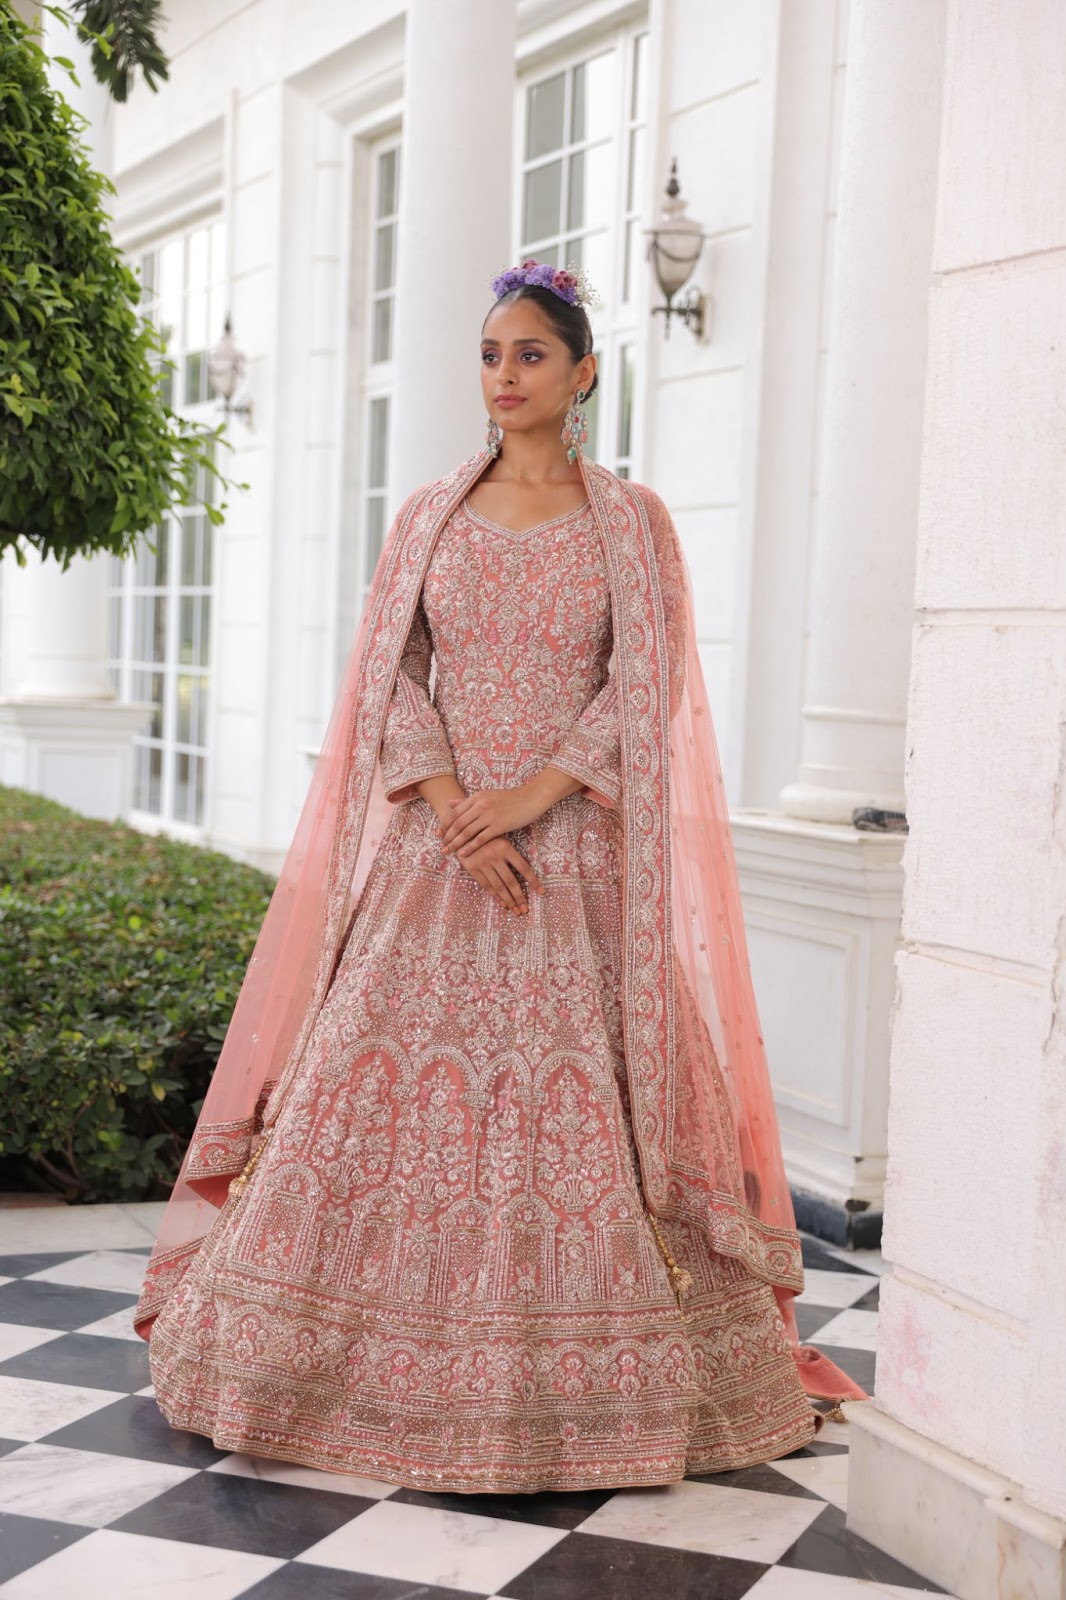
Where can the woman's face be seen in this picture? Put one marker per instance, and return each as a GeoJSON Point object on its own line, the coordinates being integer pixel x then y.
{"type": "Point", "coordinates": [528, 376]}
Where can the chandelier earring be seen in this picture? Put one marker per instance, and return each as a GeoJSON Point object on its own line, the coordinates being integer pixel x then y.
{"type": "Point", "coordinates": [494, 436]}
{"type": "Point", "coordinates": [575, 428]}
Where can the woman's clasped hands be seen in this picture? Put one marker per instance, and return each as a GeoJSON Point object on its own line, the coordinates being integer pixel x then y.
{"type": "Point", "coordinates": [476, 830]}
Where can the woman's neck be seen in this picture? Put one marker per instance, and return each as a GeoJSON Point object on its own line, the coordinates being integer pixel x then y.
{"type": "Point", "coordinates": [533, 459]}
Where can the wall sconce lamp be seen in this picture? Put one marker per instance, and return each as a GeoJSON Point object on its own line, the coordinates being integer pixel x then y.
{"type": "Point", "coordinates": [674, 248]}
{"type": "Point", "coordinates": [225, 369]}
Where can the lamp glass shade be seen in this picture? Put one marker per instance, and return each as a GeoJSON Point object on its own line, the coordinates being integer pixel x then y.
{"type": "Point", "coordinates": [674, 246]}
{"type": "Point", "coordinates": [225, 366]}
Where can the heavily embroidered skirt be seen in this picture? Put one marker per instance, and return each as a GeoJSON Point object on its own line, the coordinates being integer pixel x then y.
{"type": "Point", "coordinates": [442, 1273]}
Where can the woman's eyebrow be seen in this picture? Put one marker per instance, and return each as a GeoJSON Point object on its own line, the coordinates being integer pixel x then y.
{"type": "Point", "coordinates": [496, 343]}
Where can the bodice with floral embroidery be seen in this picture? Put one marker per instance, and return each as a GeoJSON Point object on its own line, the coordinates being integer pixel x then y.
{"type": "Point", "coordinates": [520, 626]}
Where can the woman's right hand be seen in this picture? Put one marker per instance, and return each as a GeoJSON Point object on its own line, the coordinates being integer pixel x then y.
{"type": "Point", "coordinates": [499, 868]}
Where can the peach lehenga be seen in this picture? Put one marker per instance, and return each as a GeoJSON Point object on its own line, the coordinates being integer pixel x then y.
{"type": "Point", "coordinates": [484, 1246]}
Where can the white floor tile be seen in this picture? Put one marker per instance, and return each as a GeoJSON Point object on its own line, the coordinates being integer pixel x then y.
{"type": "Point", "coordinates": [100, 1269]}
{"type": "Point", "coordinates": [104, 1227]}
{"type": "Point", "coordinates": [836, 1289]}
{"type": "Point", "coordinates": [867, 1260]}
{"type": "Point", "coordinates": [744, 1523]}
{"type": "Point", "coordinates": [824, 1475]}
{"type": "Point", "coordinates": [423, 1545]}
{"type": "Point", "coordinates": [240, 1466]}
{"type": "Point", "coordinates": [106, 1565]}
{"type": "Point", "coordinates": [30, 1409]}
{"type": "Point", "coordinates": [117, 1325]}
{"type": "Point", "coordinates": [80, 1486]}
{"type": "Point", "coordinates": [789, 1583]}
{"type": "Point", "coordinates": [15, 1340]}
{"type": "Point", "coordinates": [856, 1330]}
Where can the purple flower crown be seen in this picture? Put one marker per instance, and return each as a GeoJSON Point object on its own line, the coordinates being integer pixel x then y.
{"type": "Point", "coordinates": [569, 283]}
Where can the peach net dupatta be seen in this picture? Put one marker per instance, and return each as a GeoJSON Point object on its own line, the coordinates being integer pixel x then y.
{"type": "Point", "coordinates": [756, 1216]}
{"type": "Point", "coordinates": [704, 1118]}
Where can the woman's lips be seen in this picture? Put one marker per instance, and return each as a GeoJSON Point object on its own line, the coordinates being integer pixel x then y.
{"type": "Point", "coordinates": [509, 400]}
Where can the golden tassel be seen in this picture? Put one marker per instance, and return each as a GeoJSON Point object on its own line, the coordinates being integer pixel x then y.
{"type": "Point", "coordinates": [681, 1280]}
{"type": "Point", "coordinates": [240, 1183]}
{"type": "Point", "coordinates": [835, 1413]}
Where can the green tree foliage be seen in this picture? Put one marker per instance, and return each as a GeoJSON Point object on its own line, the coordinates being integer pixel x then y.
{"type": "Point", "coordinates": [123, 37]}
{"type": "Point", "coordinates": [90, 454]}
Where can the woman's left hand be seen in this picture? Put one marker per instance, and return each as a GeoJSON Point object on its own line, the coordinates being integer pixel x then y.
{"type": "Point", "coordinates": [476, 818]}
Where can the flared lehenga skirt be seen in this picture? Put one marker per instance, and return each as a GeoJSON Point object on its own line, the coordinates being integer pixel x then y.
{"type": "Point", "coordinates": [442, 1273]}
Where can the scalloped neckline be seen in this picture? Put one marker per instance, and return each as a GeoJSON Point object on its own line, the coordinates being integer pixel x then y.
{"type": "Point", "coordinates": [521, 533]}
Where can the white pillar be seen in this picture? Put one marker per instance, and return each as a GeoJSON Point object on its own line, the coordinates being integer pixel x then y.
{"type": "Point", "coordinates": [958, 1465]}
{"type": "Point", "coordinates": [822, 898]}
{"type": "Point", "coordinates": [62, 731]}
{"type": "Point", "coordinates": [862, 581]}
{"type": "Point", "coordinates": [455, 227]}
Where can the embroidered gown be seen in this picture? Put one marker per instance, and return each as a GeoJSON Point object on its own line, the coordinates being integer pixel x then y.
{"type": "Point", "coordinates": [442, 1273]}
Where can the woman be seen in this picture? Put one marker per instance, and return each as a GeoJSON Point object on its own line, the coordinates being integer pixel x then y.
{"type": "Point", "coordinates": [512, 1214]}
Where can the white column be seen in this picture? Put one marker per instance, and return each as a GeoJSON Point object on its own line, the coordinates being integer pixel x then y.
{"type": "Point", "coordinates": [822, 898]}
{"type": "Point", "coordinates": [958, 1465]}
{"type": "Point", "coordinates": [455, 227]}
{"type": "Point", "coordinates": [862, 582]}
{"type": "Point", "coordinates": [62, 731]}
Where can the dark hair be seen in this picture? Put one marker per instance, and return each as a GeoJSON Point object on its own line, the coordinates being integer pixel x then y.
{"type": "Point", "coordinates": [571, 323]}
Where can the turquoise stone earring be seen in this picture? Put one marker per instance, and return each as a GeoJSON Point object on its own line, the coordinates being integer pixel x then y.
{"type": "Point", "coordinates": [575, 428]}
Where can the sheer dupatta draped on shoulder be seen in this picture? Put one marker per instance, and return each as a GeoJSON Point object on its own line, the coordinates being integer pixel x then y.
{"type": "Point", "coordinates": [704, 1122]}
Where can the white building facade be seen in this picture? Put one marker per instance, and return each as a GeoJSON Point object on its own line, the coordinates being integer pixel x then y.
{"type": "Point", "coordinates": [342, 180]}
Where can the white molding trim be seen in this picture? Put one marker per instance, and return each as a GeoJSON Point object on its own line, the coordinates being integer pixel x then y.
{"type": "Point", "coordinates": [173, 188]}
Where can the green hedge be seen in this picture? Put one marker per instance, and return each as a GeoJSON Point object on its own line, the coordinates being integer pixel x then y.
{"type": "Point", "coordinates": [121, 956]}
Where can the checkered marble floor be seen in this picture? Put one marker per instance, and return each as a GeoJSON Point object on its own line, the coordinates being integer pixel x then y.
{"type": "Point", "coordinates": [99, 1497]}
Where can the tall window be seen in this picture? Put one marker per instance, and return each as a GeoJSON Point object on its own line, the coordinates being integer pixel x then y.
{"type": "Point", "coordinates": [384, 226]}
{"type": "Point", "coordinates": [160, 599]}
{"type": "Point", "coordinates": [583, 138]}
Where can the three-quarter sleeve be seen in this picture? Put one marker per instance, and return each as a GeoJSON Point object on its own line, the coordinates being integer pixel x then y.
{"type": "Point", "coordinates": [414, 744]}
{"type": "Point", "coordinates": [591, 750]}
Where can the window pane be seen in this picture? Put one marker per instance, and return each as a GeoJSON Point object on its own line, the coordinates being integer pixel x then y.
{"type": "Point", "coordinates": [149, 795]}
{"type": "Point", "coordinates": [195, 378]}
{"type": "Point", "coordinates": [192, 544]}
{"type": "Point", "coordinates": [375, 534]}
{"type": "Point", "coordinates": [544, 116]}
{"type": "Point", "coordinates": [192, 709]}
{"type": "Point", "coordinates": [388, 184]}
{"type": "Point", "coordinates": [625, 403]}
{"type": "Point", "coordinates": [381, 344]}
{"type": "Point", "coordinates": [148, 686]}
{"type": "Point", "coordinates": [635, 174]}
{"type": "Point", "coordinates": [197, 259]}
{"type": "Point", "coordinates": [597, 262]}
{"type": "Point", "coordinates": [543, 195]}
{"type": "Point", "coordinates": [638, 98]}
{"type": "Point", "coordinates": [592, 108]}
{"type": "Point", "coordinates": [170, 288]}
{"type": "Point", "coordinates": [114, 626]}
{"type": "Point", "coordinates": [378, 443]}
{"type": "Point", "coordinates": [629, 260]}
{"type": "Point", "coordinates": [546, 254]}
{"type": "Point", "coordinates": [591, 198]}
{"type": "Point", "coordinates": [183, 787]}
{"type": "Point", "coordinates": [385, 257]}
{"type": "Point", "coordinates": [193, 615]}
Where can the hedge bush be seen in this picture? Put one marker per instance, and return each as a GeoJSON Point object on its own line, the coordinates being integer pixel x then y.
{"type": "Point", "coordinates": [121, 956]}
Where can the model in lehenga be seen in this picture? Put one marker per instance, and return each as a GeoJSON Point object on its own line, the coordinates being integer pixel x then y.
{"type": "Point", "coordinates": [487, 1191]}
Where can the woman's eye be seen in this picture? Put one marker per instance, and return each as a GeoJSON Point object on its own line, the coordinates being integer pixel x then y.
{"type": "Point", "coordinates": [486, 355]}
{"type": "Point", "coordinates": [532, 353]}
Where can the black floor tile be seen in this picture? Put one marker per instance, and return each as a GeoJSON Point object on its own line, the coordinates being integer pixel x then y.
{"type": "Point", "coordinates": [84, 1359]}
{"type": "Point", "coordinates": [302, 1581]}
{"type": "Point", "coordinates": [26, 1541]}
{"type": "Point", "coordinates": [268, 1519]}
{"type": "Point", "coordinates": [135, 1426]}
{"type": "Point", "coordinates": [58, 1305]}
{"type": "Point", "coordinates": [22, 1266]}
{"type": "Point", "coordinates": [586, 1564]}
{"type": "Point", "coordinates": [7, 1445]}
{"type": "Point", "coordinates": [829, 1546]}
{"type": "Point", "coordinates": [545, 1510]}
{"type": "Point", "coordinates": [871, 1300]}
{"type": "Point", "coordinates": [816, 1255]}
{"type": "Point", "coordinates": [860, 1365]}
{"type": "Point", "coordinates": [810, 1318]}
{"type": "Point", "coordinates": [762, 1477]}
